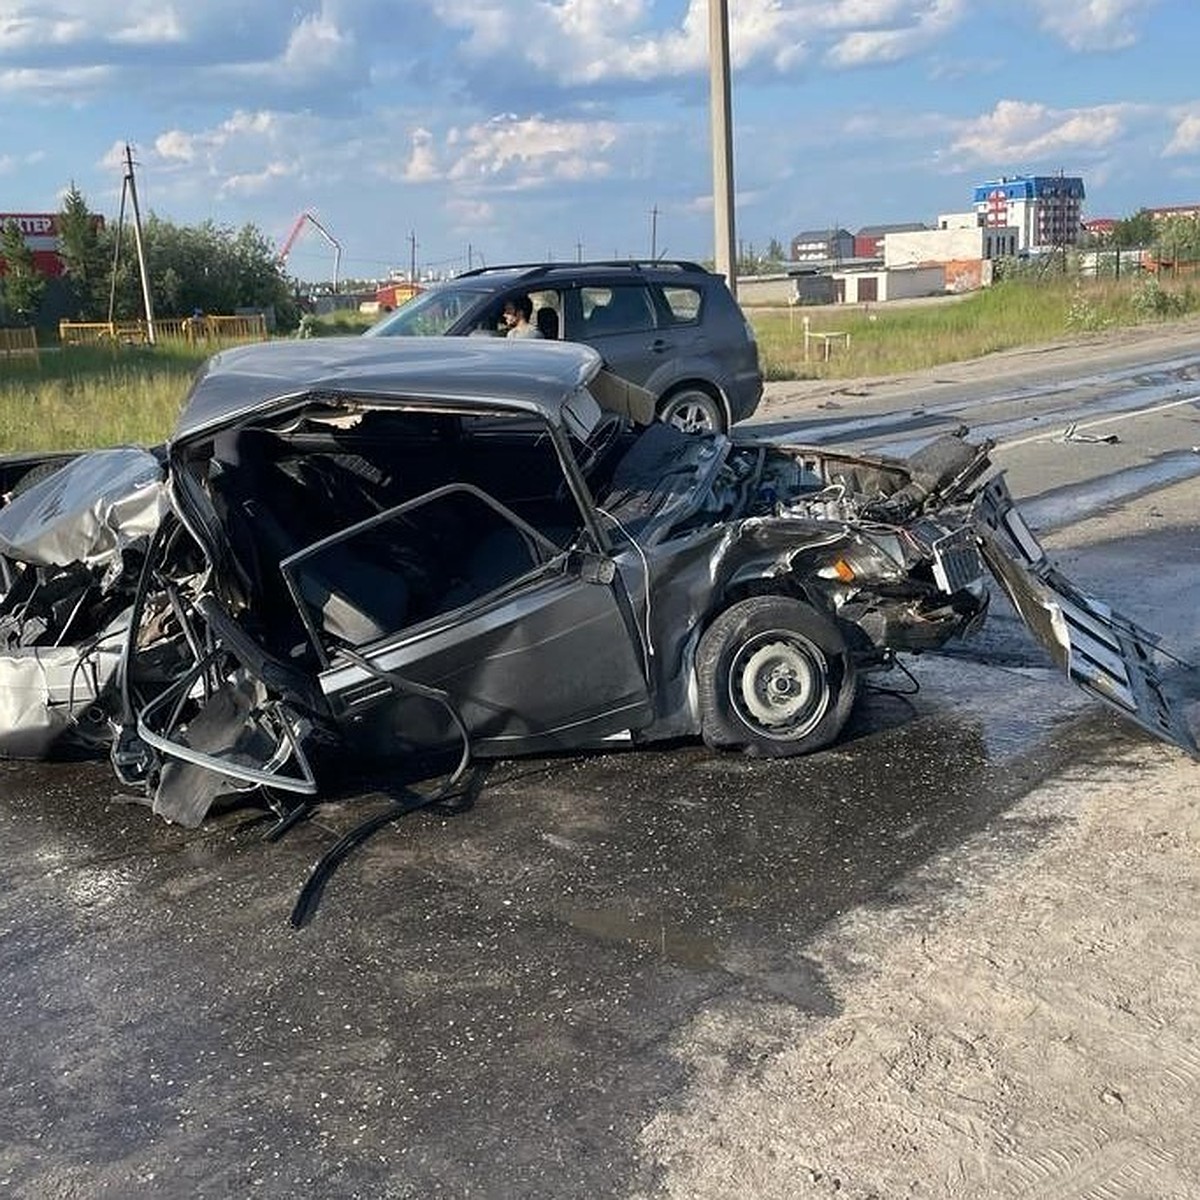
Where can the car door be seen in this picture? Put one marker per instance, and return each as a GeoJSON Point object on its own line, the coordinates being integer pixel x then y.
{"type": "Point", "coordinates": [529, 641]}
{"type": "Point", "coordinates": [619, 320]}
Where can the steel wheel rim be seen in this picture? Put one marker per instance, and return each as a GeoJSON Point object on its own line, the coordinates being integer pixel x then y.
{"type": "Point", "coordinates": [778, 684]}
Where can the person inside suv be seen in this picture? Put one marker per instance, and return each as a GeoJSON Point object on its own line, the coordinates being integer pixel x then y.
{"type": "Point", "coordinates": [671, 327]}
{"type": "Point", "coordinates": [517, 313]}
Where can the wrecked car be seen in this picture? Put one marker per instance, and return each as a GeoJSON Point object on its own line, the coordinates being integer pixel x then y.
{"type": "Point", "coordinates": [358, 550]}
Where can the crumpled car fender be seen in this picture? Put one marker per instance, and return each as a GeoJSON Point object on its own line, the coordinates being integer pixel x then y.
{"type": "Point", "coordinates": [87, 511]}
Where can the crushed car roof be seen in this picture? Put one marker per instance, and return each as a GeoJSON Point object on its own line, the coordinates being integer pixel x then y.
{"type": "Point", "coordinates": [526, 375]}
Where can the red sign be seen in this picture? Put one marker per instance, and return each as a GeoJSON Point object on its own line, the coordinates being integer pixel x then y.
{"type": "Point", "coordinates": [33, 224]}
{"type": "Point", "coordinates": [41, 237]}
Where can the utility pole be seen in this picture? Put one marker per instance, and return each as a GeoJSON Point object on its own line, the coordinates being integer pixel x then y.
{"type": "Point", "coordinates": [137, 237]}
{"type": "Point", "coordinates": [112, 283]}
{"type": "Point", "coordinates": [722, 144]}
{"type": "Point", "coordinates": [654, 234]}
{"type": "Point", "coordinates": [412, 256]}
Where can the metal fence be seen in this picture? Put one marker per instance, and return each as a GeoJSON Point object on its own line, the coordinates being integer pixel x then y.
{"type": "Point", "coordinates": [209, 332]}
{"type": "Point", "coordinates": [15, 343]}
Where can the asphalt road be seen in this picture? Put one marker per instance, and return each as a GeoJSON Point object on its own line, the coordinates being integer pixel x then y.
{"type": "Point", "coordinates": [485, 1000]}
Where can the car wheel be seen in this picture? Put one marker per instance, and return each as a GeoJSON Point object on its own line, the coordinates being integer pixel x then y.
{"type": "Point", "coordinates": [774, 677]}
{"type": "Point", "coordinates": [693, 411]}
{"type": "Point", "coordinates": [35, 476]}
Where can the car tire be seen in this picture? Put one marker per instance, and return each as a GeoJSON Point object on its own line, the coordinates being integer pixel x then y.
{"type": "Point", "coordinates": [35, 476]}
{"type": "Point", "coordinates": [694, 411]}
{"type": "Point", "coordinates": [774, 677]}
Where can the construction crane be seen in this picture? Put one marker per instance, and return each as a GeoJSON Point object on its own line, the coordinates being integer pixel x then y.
{"type": "Point", "coordinates": [307, 218]}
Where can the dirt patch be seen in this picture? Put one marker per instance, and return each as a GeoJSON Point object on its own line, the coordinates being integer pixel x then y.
{"type": "Point", "coordinates": [1039, 1039]}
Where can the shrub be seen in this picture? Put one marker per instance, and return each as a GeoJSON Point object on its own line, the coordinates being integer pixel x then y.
{"type": "Point", "coordinates": [1151, 299]}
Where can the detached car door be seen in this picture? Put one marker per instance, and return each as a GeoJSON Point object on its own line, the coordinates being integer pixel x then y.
{"type": "Point", "coordinates": [520, 633]}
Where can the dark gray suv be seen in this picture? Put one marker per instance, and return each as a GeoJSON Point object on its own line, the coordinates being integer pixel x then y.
{"type": "Point", "coordinates": [670, 326]}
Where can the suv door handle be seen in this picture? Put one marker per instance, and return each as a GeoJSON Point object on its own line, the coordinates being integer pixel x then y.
{"type": "Point", "coordinates": [659, 345]}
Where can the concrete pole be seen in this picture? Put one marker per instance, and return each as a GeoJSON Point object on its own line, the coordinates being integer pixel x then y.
{"type": "Point", "coordinates": [720, 122]}
{"type": "Point", "coordinates": [137, 237]}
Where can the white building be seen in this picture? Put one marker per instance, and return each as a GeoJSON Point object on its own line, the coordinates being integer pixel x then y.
{"type": "Point", "coordinates": [1045, 210]}
{"type": "Point", "coordinates": [951, 242]}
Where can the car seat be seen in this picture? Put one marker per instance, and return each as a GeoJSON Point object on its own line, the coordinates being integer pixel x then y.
{"type": "Point", "coordinates": [547, 323]}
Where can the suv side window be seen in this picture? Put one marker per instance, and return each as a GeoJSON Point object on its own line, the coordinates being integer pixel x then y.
{"type": "Point", "coordinates": [544, 301]}
{"type": "Point", "coordinates": [619, 308]}
{"type": "Point", "coordinates": [683, 303]}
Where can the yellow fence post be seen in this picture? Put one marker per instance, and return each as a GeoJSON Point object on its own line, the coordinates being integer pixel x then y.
{"type": "Point", "coordinates": [209, 332]}
{"type": "Point", "coordinates": [16, 343]}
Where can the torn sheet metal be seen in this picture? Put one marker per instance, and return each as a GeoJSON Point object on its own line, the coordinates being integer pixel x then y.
{"type": "Point", "coordinates": [1103, 652]}
{"type": "Point", "coordinates": [86, 511]}
{"type": "Point", "coordinates": [46, 691]}
{"type": "Point", "coordinates": [617, 395]}
{"type": "Point", "coordinates": [1073, 433]}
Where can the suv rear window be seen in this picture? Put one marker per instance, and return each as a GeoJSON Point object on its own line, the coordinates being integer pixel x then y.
{"type": "Point", "coordinates": [684, 303]}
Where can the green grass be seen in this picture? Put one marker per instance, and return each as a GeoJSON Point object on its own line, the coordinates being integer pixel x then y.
{"type": "Point", "coordinates": [888, 341]}
{"type": "Point", "coordinates": [101, 397]}
{"type": "Point", "coordinates": [342, 323]}
{"type": "Point", "coordinates": [93, 397]}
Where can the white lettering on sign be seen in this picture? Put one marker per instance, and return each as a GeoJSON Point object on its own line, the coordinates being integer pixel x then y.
{"type": "Point", "coordinates": [32, 224]}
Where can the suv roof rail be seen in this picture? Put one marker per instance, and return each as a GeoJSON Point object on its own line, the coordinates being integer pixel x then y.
{"type": "Point", "coordinates": [535, 270]}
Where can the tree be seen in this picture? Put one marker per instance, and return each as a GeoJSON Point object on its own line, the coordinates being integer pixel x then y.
{"type": "Point", "coordinates": [1137, 230]}
{"type": "Point", "coordinates": [23, 285]}
{"type": "Point", "coordinates": [1178, 238]}
{"type": "Point", "coordinates": [208, 267]}
{"type": "Point", "coordinates": [85, 265]}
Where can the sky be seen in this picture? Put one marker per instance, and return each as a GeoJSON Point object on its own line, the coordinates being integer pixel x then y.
{"type": "Point", "coordinates": [456, 133]}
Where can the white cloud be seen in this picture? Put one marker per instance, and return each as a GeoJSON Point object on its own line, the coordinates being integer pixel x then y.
{"type": "Point", "coordinates": [1186, 139]}
{"type": "Point", "coordinates": [175, 144]}
{"type": "Point", "coordinates": [254, 182]}
{"type": "Point", "coordinates": [25, 29]}
{"type": "Point", "coordinates": [220, 50]}
{"type": "Point", "coordinates": [600, 41]}
{"type": "Point", "coordinates": [422, 166]}
{"type": "Point", "coordinates": [28, 27]}
{"type": "Point", "coordinates": [249, 153]}
{"type": "Point", "coordinates": [157, 28]}
{"type": "Point", "coordinates": [73, 85]}
{"type": "Point", "coordinates": [524, 151]}
{"type": "Point", "coordinates": [1017, 131]}
{"type": "Point", "coordinates": [892, 43]}
{"type": "Point", "coordinates": [316, 44]}
{"type": "Point", "coordinates": [1093, 24]}
{"type": "Point", "coordinates": [260, 123]}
